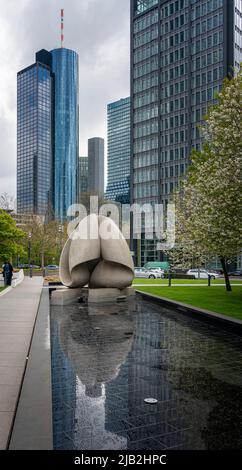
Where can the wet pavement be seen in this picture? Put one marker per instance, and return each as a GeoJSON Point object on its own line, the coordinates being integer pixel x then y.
{"type": "Point", "coordinates": [104, 365]}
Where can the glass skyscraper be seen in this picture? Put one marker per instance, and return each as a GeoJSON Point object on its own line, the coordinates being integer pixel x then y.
{"type": "Point", "coordinates": [180, 53]}
{"type": "Point", "coordinates": [66, 130]}
{"type": "Point", "coordinates": [34, 139]}
{"type": "Point", "coordinates": [48, 134]}
{"type": "Point", "coordinates": [118, 188]}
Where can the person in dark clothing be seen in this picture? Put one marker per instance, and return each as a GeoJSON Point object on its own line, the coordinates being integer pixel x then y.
{"type": "Point", "coordinates": [7, 273]}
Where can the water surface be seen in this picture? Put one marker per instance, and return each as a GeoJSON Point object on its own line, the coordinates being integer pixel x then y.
{"type": "Point", "coordinates": [107, 359]}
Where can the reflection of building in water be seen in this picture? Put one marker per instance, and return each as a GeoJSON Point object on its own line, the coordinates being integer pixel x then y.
{"type": "Point", "coordinates": [96, 346]}
{"type": "Point", "coordinates": [63, 389]}
{"type": "Point", "coordinates": [93, 391]}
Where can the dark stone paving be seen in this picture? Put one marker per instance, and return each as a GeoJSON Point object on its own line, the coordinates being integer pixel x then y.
{"type": "Point", "coordinates": [105, 365]}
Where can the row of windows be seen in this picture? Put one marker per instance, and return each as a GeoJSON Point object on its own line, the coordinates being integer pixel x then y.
{"type": "Point", "coordinates": [174, 73]}
{"type": "Point", "coordinates": [238, 30]}
{"type": "Point", "coordinates": [207, 42]}
{"type": "Point", "coordinates": [207, 59]}
{"type": "Point", "coordinates": [174, 138]}
{"type": "Point", "coordinates": [206, 8]}
{"type": "Point", "coordinates": [146, 82]}
{"type": "Point", "coordinates": [174, 89]}
{"type": "Point", "coordinates": [146, 68]}
{"type": "Point", "coordinates": [146, 159]}
{"type": "Point", "coordinates": [207, 25]}
{"type": "Point", "coordinates": [172, 171]}
{"type": "Point", "coordinates": [179, 153]}
{"type": "Point", "coordinates": [204, 95]}
{"type": "Point", "coordinates": [146, 98]}
{"type": "Point", "coordinates": [207, 77]}
{"type": "Point", "coordinates": [168, 188]}
{"type": "Point", "coordinates": [146, 21]}
{"type": "Point", "coordinates": [146, 52]}
{"type": "Point", "coordinates": [145, 190]}
{"type": "Point", "coordinates": [150, 143]}
{"type": "Point", "coordinates": [238, 12]}
{"type": "Point", "coordinates": [174, 40]}
{"type": "Point", "coordinates": [174, 121]}
{"type": "Point", "coordinates": [145, 114]}
{"type": "Point", "coordinates": [173, 8]}
{"type": "Point", "coordinates": [174, 24]}
{"type": "Point", "coordinates": [145, 175]}
{"type": "Point", "coordinates": [174, 105]}
{"type": "Point", "coordinates": [146, 37]}
{"type": "Point", "coordinates": [178, 54]}
{"type": "Point", "coordinates": [146, 129]}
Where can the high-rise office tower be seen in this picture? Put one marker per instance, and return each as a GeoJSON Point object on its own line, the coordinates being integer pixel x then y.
{"type": "Point", "coordinates": [48, 134]}
{"type": "Point", "coordinates": [34, 138]}
{"type": "Point", "coordinates": [118, 188]}
{"type": "Point", "coordinates": [66, 111]}
{"type": "Point", "coordinates": [96, 166]}
{"type": "Point", "coordinates": [83, 177]}
{"type": "Point", "coordinates": [181, 50]}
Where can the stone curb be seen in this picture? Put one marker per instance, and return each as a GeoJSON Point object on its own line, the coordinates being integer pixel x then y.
{"type": "Point", "coordinates": [5, 291]}
{"type": "Point", "coordinates": [190, 309]}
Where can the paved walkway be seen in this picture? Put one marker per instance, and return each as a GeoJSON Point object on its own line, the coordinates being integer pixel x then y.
{"type": "Point", "coordinates": [18, 309]}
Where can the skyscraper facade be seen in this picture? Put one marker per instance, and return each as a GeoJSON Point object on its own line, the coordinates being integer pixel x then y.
{"type": "Point", "coordinates": [180, 53]}
{"type": "Point", "coordinates": [83, 177]}
{"type": "Point", "coordinates": [48, 134]}
{"type": "Point", "coordinates": [34, 139]}
{"type": "Point", "coordinates": [118, 187]}
{"type": "Point", "coordinates": [96, 166]}
{"type": "Point", "coordinates": [66, 130]}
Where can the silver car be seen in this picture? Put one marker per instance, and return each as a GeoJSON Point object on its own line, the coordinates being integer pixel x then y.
{"type": "Point", "coordinates": [146, 274]}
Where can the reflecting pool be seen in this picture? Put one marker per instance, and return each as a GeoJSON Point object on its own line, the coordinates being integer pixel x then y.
{"type": "Point", "coordinates": [106, 360]}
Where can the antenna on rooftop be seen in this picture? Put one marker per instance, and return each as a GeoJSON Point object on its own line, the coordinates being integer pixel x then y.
{"type": "Point", "coordinates": [62, 27]}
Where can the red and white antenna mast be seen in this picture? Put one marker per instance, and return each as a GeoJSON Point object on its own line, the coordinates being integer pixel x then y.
{"type": "Point", "coordinates": [62, 27]}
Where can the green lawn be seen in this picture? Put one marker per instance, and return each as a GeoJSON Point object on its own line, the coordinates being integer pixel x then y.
{"type": "Point", "coordinates": [215, 299]}
{"type": "Point", "coordinates": [2, 288]}
{"type": "Point", "coordinates": [184, 281]}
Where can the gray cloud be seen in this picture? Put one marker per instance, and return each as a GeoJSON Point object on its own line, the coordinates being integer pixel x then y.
{"type": "Point", "coordinates": [97, 30]}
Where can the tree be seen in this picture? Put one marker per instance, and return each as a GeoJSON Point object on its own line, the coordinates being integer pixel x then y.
{"type": "Point", "coordinates": [10, 237]}
{"type": "Point", "coordinates": [209, 213]}
{"type": "Point", "coordinates": [7, 202]}
{"type": "Point", "coordinates": [47, 240]}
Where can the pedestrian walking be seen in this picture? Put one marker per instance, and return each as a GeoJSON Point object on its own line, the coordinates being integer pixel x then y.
{"type": "Point", "coordinates": [7, 273]}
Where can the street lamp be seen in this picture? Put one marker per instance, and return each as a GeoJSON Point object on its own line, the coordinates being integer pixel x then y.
{"type": "Point", "coordinates": [61, 230]}
{"type": "Point", "coordinates": [29, 250]}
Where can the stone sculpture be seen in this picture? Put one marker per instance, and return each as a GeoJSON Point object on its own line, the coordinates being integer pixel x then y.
{"type": "Point", "coordinates": [97, 255]}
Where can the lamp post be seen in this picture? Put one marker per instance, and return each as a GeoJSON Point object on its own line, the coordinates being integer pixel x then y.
{"type": "Point", "coordinates": [29, 252]}
{"type": "Point", "coordinates": [61, 230]}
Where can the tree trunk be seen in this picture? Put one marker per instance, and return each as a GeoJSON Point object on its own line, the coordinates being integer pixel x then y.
{"type": "Point", "coordinates": [43, 263]}
{"type": "Point", "coordinates": [226, 276]}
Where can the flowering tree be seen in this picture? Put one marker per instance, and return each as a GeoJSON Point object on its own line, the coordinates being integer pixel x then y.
{"type": "Point", "coordinates": [209, 212]}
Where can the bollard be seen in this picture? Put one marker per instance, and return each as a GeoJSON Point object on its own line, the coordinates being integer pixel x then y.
{"type": "Point", "coordinates": [209, 280]}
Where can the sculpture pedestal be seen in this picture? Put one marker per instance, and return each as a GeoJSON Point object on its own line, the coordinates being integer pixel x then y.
{"type": "Point", "coordinates": [106, 295]}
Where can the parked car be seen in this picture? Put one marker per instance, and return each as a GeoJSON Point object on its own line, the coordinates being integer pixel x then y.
{"type": "Point", "coordinates": [146, 274]}
{"type": "Point", "coordinates": [236, 273]}
{"type": "Point", "coordinates": [203, 273]}
{"type": "Point", "coordinates": [52, 267]}
{"type": "Point", "coordinates": [26, 266]}
{"type": "Point", "coordinates": [158, 271]}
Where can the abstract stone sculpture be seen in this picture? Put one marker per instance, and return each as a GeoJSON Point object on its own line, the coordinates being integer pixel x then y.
{"type": "Point", "coordinates": [96, 254]}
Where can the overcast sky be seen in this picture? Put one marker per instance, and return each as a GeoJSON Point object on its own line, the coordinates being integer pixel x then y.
{"type": "Point", "coordinates": [98, 30]}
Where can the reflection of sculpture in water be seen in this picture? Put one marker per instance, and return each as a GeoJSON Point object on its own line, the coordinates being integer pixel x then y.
{"type": "Point", "coordinates": [97, 345]}
{"type": "Point", "coordinates": [96, 254]}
